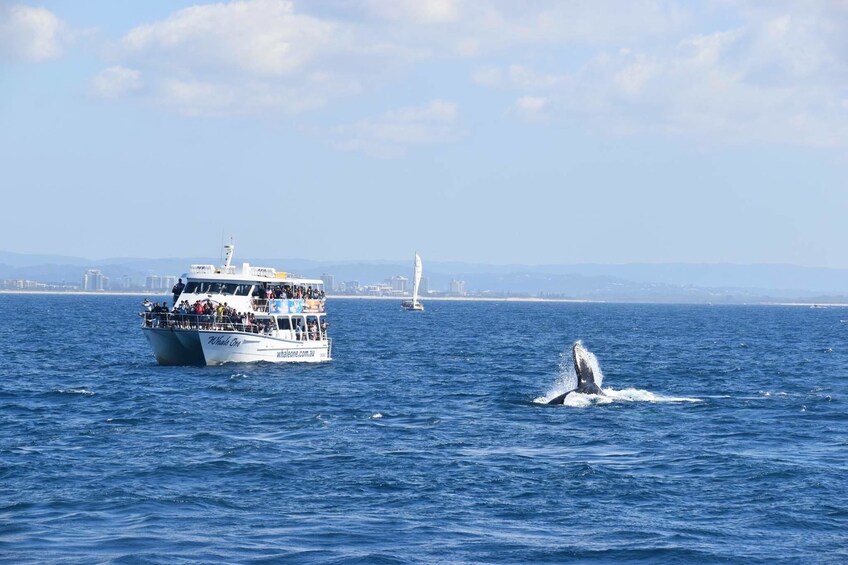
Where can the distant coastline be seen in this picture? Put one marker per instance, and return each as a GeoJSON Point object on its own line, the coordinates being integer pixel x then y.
{"type": "Point", "coordinates": [82, 292]}
{"type": "Point", "coordinates": [660, 283]}
{"type": "Point", "coordinates": [467, 298]}
{"type": "Point", "coordinates": [452, 299]}
{"type": "Point", "coordinates": [329, 297]}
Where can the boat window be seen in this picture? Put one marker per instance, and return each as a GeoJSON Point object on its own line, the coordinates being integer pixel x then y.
{"type": "Point", "coordinates": [243, 290]}
{"type": "Point", "coordinates": [203, 287]}
{"type": "Point", "coordinates": [284, 323]}
{"type": "Point", "coordinates": [215, 288]}
{"type": "Point", "coordinates": [191, 287]}
{"type": "Point", "coordinates": [229, 288]}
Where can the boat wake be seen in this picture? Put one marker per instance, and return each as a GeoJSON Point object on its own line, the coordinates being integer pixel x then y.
{"type": "Point", "coordinates": [566, 380]}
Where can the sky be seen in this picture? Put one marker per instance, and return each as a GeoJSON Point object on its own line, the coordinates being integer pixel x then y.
{"type": "Point", "coordinates": [486, 131]}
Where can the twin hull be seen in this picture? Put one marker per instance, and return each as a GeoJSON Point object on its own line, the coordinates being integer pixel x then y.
{"type": "Point", "coordinates": [200, 347]}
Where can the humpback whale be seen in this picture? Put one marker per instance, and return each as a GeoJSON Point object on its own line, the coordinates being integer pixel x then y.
{"type": "Point", "coordinates": [585, 374]}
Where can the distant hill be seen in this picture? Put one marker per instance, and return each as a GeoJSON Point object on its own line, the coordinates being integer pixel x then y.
{"type": "Point", "coordinates": [635, 282]}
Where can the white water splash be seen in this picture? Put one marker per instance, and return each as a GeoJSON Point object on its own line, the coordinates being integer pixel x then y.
{"type": "Point", "coordinates": [637, 395]}
{"type": "Point", "coordinates": [566, 377]}
{"type": "Point", "coordinates": [567, 380]}
{"type": "Point", "coordinates": [580, 400]}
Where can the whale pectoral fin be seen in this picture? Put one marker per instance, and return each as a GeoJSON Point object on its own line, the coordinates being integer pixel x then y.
{"type": "Point", "coordinates": [560, 399]}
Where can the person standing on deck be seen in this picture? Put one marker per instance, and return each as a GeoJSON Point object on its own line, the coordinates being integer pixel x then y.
{"type": "Point", "coordinates": [178, 289]}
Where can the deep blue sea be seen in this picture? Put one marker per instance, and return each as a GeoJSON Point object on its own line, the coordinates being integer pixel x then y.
{"type": "Point", "coordinates": [723, 438]}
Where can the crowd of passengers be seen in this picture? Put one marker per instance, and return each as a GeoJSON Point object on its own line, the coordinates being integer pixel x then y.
{"type": "Point", "coordinates": [288, 291]}
{"type": "Point", "coordinates": [205, 315]}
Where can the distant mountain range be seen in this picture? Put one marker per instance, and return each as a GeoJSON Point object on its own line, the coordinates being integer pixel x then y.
{"type": "Point", "coordinates": [634, 282]}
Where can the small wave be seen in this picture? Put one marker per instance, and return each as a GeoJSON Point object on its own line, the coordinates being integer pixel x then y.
{"type": "Point", "coordinates": [83, 391]}
{"type": "Point", "coordinates": [123, 421]}
{"type": "Point", "coordinates": [376, 416]}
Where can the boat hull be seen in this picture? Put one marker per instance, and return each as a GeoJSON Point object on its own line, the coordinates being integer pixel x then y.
{"type": "Point", "coordinates": [175, 347]}
{"type": "Point", "coordinates": [240, 347]}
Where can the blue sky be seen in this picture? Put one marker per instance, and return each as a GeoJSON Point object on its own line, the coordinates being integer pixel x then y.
{"type": "Point", "coordinates": [487, 131]}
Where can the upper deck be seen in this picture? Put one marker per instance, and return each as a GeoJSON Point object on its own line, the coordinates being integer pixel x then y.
{"type": "Point", "coordinates": [247, 273]}
{"type": "Point", "coordinates": [250, 288]}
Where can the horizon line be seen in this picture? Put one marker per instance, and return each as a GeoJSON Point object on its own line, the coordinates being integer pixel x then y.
{"type": "Point", "coordinates": [445, 261]}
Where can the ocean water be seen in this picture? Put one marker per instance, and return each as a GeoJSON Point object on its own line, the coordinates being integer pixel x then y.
{"type": "Point", "coordinates": [723, 438]}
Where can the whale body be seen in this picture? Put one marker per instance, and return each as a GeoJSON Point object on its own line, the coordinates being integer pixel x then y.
{"type": "Point", "coordinates": [585, 375]}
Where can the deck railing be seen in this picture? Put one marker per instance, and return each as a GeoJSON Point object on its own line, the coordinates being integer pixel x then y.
{"type": "Point", "coordinates": [213, 322]}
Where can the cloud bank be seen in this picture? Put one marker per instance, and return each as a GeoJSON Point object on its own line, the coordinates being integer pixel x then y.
{"type": "Point", "coordinates": [725, 70]}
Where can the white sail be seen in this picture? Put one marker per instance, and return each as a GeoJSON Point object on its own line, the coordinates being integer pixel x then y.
{"type": "Point", "coordinates": [416, 278]}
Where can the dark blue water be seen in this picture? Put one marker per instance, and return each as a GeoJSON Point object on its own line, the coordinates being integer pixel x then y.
{"type": "Point", "coordinates": [421, 442]}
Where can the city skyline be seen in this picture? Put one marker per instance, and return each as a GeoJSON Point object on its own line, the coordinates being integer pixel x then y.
{"type": "Point", "coordinates": [533, 133]}
{"type": "Point", "coordinates": [93, 280]}
{"type": "Point", "coordinates": [682, 283]}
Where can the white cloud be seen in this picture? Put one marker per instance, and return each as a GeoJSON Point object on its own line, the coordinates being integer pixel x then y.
{"type": "Point", "coordinates": [418, 11]}
{"type": "Point", "coordinates": [393, 133]}
{"type": "Point", "coordinates": [500, 25]}
{"type": "Point", "coordinates": [633, 77]}
{"type": "Point", "coordinates": [492, 76]}
{"type": "Point", "coordinates": [250, 57]}
{"type": "Point", "coordinates": [277, 44]}
{"type": "Point", "coordinates": [259, 37]}
{"type": "Point", "coordinates": [517, 76]}
{"type": "Point", "coordinates": [771, 79]}
{"type": "Point", "coordinates": [777, 71]}
{"type": "Point", "coordinates": [116, 81]}
{"type": "Point", "coordinates": [204, 99]}
{"type": "Point", "coordinates": [532, 107]}
{"type": "Point", "coordinates": [30, 34]}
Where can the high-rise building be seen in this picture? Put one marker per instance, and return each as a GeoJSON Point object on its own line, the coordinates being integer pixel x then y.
{"type": "Point", "coordinates": [351, 286]}
{"type": "Point", "coordinates": [22, 284]}
{"type": "Point", "coordinates": [93, 279]}
{"type": "Point", "coordinates": [457, 287]}
{"type": "Point", "coordinates": [160, 282]}
{"type": "Point", "coordinates": [399, 283]}
{"type": "Point", "coordinates": [329, 282]}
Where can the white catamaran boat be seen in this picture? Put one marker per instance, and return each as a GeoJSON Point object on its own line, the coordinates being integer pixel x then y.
{"type": "Point", "coordinates": [416, 283]}
{"type": "Point", "coordinates": [228, 314]}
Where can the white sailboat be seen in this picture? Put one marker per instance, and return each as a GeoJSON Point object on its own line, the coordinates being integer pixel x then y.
{"type": "Point", "coordinates": [416, 283]}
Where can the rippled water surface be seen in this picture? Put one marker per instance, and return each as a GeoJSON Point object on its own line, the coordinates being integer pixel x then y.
{"type": "Point", "coordinates": [723, 438]}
